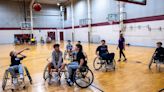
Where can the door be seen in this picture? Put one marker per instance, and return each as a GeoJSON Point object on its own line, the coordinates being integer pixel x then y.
{"type": "Point", "coordinates": [61, 36]}
{"type": "Point", "coordinates": [52, 35]}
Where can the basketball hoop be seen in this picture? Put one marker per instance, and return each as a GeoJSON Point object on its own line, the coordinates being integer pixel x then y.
{"type": "Point", "coordinates": [110, 22]}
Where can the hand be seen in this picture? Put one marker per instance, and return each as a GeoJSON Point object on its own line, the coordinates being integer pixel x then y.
{"type": "Point", "coordinates": [78, 69]}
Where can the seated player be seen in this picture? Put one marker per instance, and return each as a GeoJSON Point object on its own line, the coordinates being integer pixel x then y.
{"type": "Point", "coordinates": [159, 52]}
{"type": "Point", "coordinates": [69, 48]}
{"type": "Point", "coordinates": [16, 64]}
{"type": "Point", "coordinates": [33, 40]}
{"type": "Point", "coordinates": [102, 52]}
{"type": "Point", "coordinates": [79, 42]}
{"type": "Point", "coordinates": [77, 63]}
{"type": "Point", "coordinates": [57, 60]}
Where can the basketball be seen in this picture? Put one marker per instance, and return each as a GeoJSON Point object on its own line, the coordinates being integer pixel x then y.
{"type": "Point", "coordinates": [37, 7]}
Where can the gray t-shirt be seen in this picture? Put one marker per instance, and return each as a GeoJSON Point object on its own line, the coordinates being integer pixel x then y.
{"type": "Point", "coordinates": [57, 58]}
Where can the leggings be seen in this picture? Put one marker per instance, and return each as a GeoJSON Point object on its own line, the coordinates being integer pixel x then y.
{"type": "Point", "coordinates": [122, 53]}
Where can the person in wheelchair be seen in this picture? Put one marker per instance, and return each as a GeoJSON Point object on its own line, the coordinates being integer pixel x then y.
{"type": "Point", "coordinates": [69, 48]}
{"type": "Point", "coordinates": [103, 53]}
{"type": "Point", "coordinates": [79, 42]}
{"type": "Point", "coordinates": [159, 52]}
{"type": "Point", "coordinates": [16, 64]}
{"type": "Point", "coordinates": [78, 62]}
{"type": "Point", "coordinates": [57, 60]}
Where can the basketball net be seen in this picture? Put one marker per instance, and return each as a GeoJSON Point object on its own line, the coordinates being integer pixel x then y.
{"type": "Point", "coordinates": [110, 22]}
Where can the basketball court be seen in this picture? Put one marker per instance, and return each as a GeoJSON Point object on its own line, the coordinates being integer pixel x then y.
{"type": "Point", "coordinates": [36, 25]}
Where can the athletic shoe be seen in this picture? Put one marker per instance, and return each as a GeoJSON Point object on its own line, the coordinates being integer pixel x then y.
{"type": "Point", "coordinates": [69, 82]}
{"type": "Point", "coordinates": [125, 60]}
{"type": "Point", "coordinates": [15, 81]}
{"type": "Point", "coordinates": [21, 76]}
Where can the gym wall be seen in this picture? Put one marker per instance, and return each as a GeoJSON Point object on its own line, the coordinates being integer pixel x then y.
{"type": "Point", "coordinates": [145, 32]}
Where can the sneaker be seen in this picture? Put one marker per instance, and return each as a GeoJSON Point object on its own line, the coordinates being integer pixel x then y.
{"type": "Point", "coordinates": [125, 59]}
{"type": "Point", "coordinates": [15, 81]}
{"type": "Point", "coordinates": [21, 76]}
{"type": "Point", "coordinates": [119, 60]}
{"type": "Point", "coordinates": [70, 83]}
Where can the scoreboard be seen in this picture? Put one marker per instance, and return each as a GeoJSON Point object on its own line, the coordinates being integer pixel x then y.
{"type": "Point", "coordinates": [141, 2]}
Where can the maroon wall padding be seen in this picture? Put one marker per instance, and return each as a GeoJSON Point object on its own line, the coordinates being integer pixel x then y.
{"type": "Point", "coordinates": [135, 20]}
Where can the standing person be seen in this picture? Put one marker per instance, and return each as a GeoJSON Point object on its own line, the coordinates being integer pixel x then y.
{"type": "Point", "coordinates": [79, 42]}
{"type": "Point", "coordinates": [121, 46]}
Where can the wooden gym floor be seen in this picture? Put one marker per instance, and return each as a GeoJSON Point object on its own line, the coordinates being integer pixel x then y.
{"type": "Point", "coordinates": [130, 76]}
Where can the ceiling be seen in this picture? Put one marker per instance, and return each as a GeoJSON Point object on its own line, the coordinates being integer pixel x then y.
{"type": "Point", "coordinates": [52, 1]}
{"type": "Point", "coordinates": [46, 1]}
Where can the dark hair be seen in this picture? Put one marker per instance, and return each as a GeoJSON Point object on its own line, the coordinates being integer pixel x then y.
{"type": "Point", "coordinates": [69, 41]}
{"type": "Point", "coordinates": [102, 40]}
{"type": "Point", "coordinates": [79, 41]}
{"type": "Point", "coordinates": [159, 43]}
{"type": "Point", "coordinates": [56, 45]}
{"type": "Point", "coordinates": [80, 47]}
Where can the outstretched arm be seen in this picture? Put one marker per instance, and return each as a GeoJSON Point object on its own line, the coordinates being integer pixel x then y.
{"type": "Point", "coordinates": [19, 52]}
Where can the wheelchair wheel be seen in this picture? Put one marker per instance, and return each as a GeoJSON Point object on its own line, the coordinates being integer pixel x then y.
{"type": "Point", "coordinates": [5, 78]}
{"type": "Point", "coordinates": [84, 77]}
{"type": "Point", "coordinates": [45, 73]}
{"type": "Point", "coordinates": [28, 74]}
{"type": "Point", "coordinates": [114, 64]}
{"type": "Point", "coordinates": [97, 64]}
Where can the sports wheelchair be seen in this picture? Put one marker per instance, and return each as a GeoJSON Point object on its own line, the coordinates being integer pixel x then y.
{"type": "Point", "coordinates": [82, 78]}
{"type": "Point", "coordinates": [7, 78]}
{"type": "Point", "coordinates": [98, 63]}
{"type": "Point", "coordinates": [158, 61]}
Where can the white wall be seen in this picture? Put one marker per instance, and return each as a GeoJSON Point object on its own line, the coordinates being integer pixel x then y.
{"type": "Point", "coordinates": [135, 36]}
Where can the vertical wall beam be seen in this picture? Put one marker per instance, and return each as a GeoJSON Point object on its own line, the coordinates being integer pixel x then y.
{"type": "Point", "coordinates": [31, 15]}
{"type": "Point", "coordinates": [89, 21]}
{"type": "Point", "coordinates": [73, 20]}
{"type": "Point", "coordinates": [121, 16]}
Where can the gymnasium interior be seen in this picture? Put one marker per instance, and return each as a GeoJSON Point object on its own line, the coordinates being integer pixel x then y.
{"type": "Point", "coordinates": [33, 29]}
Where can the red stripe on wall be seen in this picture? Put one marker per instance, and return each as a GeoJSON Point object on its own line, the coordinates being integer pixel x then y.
{"type": "Point", "coordinates": [14, 28]}
{"type": "Point", "coordinates": [135, 20]}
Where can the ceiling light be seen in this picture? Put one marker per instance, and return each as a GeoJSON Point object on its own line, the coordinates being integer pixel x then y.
{"type": "Point", "coordinates": [58, 4]}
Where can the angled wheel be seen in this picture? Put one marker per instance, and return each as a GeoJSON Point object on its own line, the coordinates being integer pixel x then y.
{"type": "Point", "coordinates": [97, 63]}
{"type": "Point", "coordinates": [45, 73]}
{"type": "Point", "coordinates": [28, 74]}
{"type": "Point", "coordinates": [5, 78]}
{"type": "Point", "coordinates": [83, 78]}
{"type": "Point", "coordinates": [114, 64]}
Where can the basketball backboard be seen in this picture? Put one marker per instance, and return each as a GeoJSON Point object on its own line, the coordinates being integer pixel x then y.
{"type": "Point", "coordinates": [141, 2]}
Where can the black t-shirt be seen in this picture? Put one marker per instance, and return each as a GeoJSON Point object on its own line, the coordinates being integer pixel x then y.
{"type": "Point", "coordinates": [159, 52]}
{"type": "Point", "coordinates": [16, 60]}
{"type": "Point", "coordinates": [102, 49]}
{"type": "Point", "coordinates": [80, 56]}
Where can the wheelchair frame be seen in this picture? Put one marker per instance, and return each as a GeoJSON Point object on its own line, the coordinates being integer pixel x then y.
{"type": "Point", "coordinates": [103, 63]}
{"type": "Point", "coordinates": [65, 72]}
{"type": "Point", "coordinates": [6, 77]}
{"type": "Point", "coordinates": [158, 63]}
